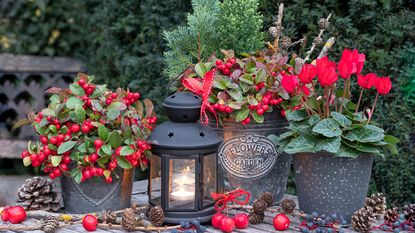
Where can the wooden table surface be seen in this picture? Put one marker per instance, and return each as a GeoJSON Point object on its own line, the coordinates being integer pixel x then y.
{"type": "Point", "coordinates": [140, 197]}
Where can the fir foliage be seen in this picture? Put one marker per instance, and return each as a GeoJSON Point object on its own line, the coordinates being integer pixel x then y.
{"type": "Point", "coordinates": [194, 42]}
{"type": "Point", "coordinates": [240, 25]}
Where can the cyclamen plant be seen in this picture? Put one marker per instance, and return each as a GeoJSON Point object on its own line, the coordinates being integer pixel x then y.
{"type": "Point", "coordinates": [247, 88]}
{"type": "Point", "coordinates": [328, 120]}
{"type": "Point", "coordinates": [89, 131]}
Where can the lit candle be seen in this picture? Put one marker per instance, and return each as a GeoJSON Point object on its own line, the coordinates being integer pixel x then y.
{"type": "Point", "coordinates": [184, 194]}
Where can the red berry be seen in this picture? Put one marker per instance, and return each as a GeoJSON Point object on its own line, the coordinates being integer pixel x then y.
{"type": "Point", "coordinates": [44, 140]}
{"type": "Point", "coordinates": [218, 62]}
{"type": "Point", "coordinates": [25, 154]}
{"type": "Point", "coordinates": [75, 128]}
{"type": "Point", "coordinates": [137, 96]}
{"type": "Point", "coordinates": [273, 74]}
{"type": "Point", "coordinates": [57, 172]}
{"type": "Point", "coordinates": [41, 157]}
{"type": "Point", "coordinates": [100, 172]}
{"type": "Point", "coordinates": [265, 99]}
{"type": "Point", "coordinates": [113, 164]}
{"type": "Point", "coordinates": [16, 214]}
{"type": "Point", "coordinates": [85, 129]}
{"type": "Point", "coordinates": [36, 163]}
{"type": "Point", "coordinates": [282, 112]}
{"type": "Point", "coordinates": [114, 95]}
{"type": "Point", "coordinates": [61, 137]}
{"type": "Point", "coordinates": [274, 102]}
{"type": "Point", "coordinates": [33, 157]}
{"type": "Point", "coordinates": [265, 107]}
{"type": "Point", "coordinates": [241, 221]}
{"type": "Point", "coordinates": [66, 160]}
{"type": "Point", "coordinates": [232, 60]}
{"type": "Point", "coordinates": [227, 225]}
{"type": "Point", "coordinates": [109, 180]}
{"type": "Point", "coordinates": [98, 143]}
{"type": "Point", "coordinates": [94, 157]}
{"type": "Point", "coordinates": [90, 222]}
{"type": "Point", "coordinates": [93, 171]}
{"type": "Point", "coordinates": [226, 71]}
{"type": "Point", "coordinates": [260, 111]}
{"type": "Point", "coordinates": [52, 176]}
{"type": "Point", "coordinates": [228, 65]}
{"type": "Point", "coordinates": [221, 67]}
{"type": "Point", "coordinates": [5, 215]}
{"type": "Point", "coordinates": [81, 82]}
{"type": "Point", "coordinates": [53, 140]}
{"type": "Point", "coordinates": [281, 222]}
{"type": "Point", "coordinates": [64, 167]}
{"type": "Point", "coordinates": [86, 174]}
{"type": "Point", "coordinates": [118, 150]}
{"type": "Point", "coordinates": [216, 218]}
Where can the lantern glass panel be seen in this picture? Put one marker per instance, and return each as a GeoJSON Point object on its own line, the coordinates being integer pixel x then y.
{"type": "Point", "coordinates": [209, 178]}
{"type": "Point", "coordinates": [182, 184]}
{"type": "Point", "coordinates": [155, 180]}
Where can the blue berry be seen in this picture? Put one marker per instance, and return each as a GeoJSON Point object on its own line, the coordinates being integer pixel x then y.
{"type": "Point", "coordinates": [397, 223]}
{"type": "Point", "coordinates": [319, 230]}
{"type": "Point", "coordinates": [182, 223]}
{"type": "Point", "coordinates": [397, 230]}
{"type": "Point", "coordinates": [328, 219]}
{"type": "Point", "coordinates": [308, 217]}
{"type": "Point", "coordinates": [334, 216]}
{"type": "Point", "coordinates": [314, 214]}
{"type": "Point", "coordinates": [305, 230]}
{"type": "Point", "coordinates": [310, 224]}
{"type": "Point", "coordinates": [329, 230]}
{"type": "Point", "coordinates": [406, 227]}
{"type": "Point", "coordinates": [402, 217]}
{"type": "Point", "coordinates": [323, 216]}
{"type": "Point", "coordinates": [344, 222]}
{"type": "Point", "coordinates": [385, 227]}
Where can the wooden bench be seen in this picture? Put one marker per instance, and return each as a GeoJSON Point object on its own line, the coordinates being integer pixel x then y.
{"type": "Point", "coordinates": [140, 197]}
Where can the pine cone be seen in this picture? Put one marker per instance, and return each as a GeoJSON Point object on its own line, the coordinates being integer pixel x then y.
{"type": "Point", "coordinates": [362, 219]}
{"type": "Point", "coordinates": [378, 204]}
{"type": "Point", "coordinates": [259, 206]}
{"type": "Point", "coordinates": [128, 219]}
{"type": "Point", "coordinates": [317, 40]}
{"type": "Point", "coordinates": [288, 206]}
{"type": "Point", "coordinates": [36, 194]}
{"type": "Point", "coordinates": [409, 211]}
{"type": "Point", "coordinates": [156, 216]}
{"type": "Point", "coordinates": [323, 23]}
{"type": "Point", "coordinates": [273, 31]}
{"type": "Point", "coordinates": [50, 225]}
{"type": "Point", "coordinates": [255, 218]}
{"type": "Point", "coordinates": [391, 215]}
{"type": "Point", "coordinates": [285, 42]}
{"type": "Point", "coordinates": [107, 216]}
{"type": "Point", "coordinates": [268, 198]}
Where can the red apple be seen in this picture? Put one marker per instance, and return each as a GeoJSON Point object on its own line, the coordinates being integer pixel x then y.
{"type": "Point", "coordinates": [227, 224]}
{"type": "Point", "coordinates": [241, 221]}
{"type": "Point", "coordinates": [216, 218]}
{"type": "Point", "coordinates": [281, 222]}
{"type": "Point", "coordinates": [90, 222]}
{"type": "Point", "coordinates": [16, 214]}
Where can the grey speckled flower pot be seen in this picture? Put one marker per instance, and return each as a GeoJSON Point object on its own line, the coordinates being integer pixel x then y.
{"type": "Point", "coordinates": [328, 184]}
{"type": "Point", "coordinates": [95, 195]}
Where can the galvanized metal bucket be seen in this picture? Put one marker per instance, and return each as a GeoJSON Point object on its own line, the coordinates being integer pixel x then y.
{"type": "Point", "coordinates": [328, 184]}
{"type": "Point", "coordinates": [95, 194]}
{"type": "Point", "coordinates": [249, 160]}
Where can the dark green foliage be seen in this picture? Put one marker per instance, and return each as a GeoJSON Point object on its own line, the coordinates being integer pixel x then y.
{"type": "Point", "coordinates": [42, 27]}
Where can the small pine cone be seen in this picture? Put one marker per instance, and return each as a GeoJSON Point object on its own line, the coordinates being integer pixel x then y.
{"type": "Point", "coordinates": [285, 42]}
{"type": "Point", "coordinates": [128, 219]}
{"type": "Point", "coordinates": [362, 219]}
{"type": "Point", "coordinates": [273, 31]}
{"type": "Point", "coordinates": [259, 206]}
{"type": "Point", "coordinates": [50, 225]}
{"type": "Point", "coordinates": [288, 206]}
{"type": "Point", "coordinates": [409, 211]}
{"type": "Point", "coordinates": [255, 218]}
{"type": "Point", "coordinates": [107, 216]}
{"type": "Point", "coordinates": [317, 40]}
{"type": "Point", "coordinates": [268, 198]}
{"type": "Point", "coordinates": [391, 215]}
{"type": "Point", "coordinates": [378, 203]}
{"type": "Point", "coordinates": [156, 215]}
{"type": "Point", "coordinates": [323, 23]}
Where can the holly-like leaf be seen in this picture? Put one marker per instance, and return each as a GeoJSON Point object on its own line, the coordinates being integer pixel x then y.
{"type": "Point", "coordinates": [76, 174]}
{"type": "Point", "coordinates": [96, 106]}
{"type": "Point", "coordinates": [48, 112]}
{"type": "Point", "coordinates": [99, 90]}
{"type": "Point", "coordinates": [303, 143]}
{"type": "Point", "coordinates": [327, 127]}
{"type": "Point", "coordinates": [27, 161]}
{"type": "Point", "coordinates": [331, 145]}
{"type": "Point", "coordinates": [201, 69]}
{"type": "Point", "coordinates": [341, 119]}
{"type": "Point", "coordinates": [124, 163]}
{"type": "Point", "coordinates": [261, 76]}
{"type": "Point", "coordinates": [257, 118]}
{"type": "Point", "coordinates": [66, 146]}
{"type": "Point", "coordinates": [103, 161]}
{"type": "Point", "coordinates": [107, 149]}
{"type": "Point", "coordinates": [113, 113]}
{"type": "Point", "coordinates": [56, 160]}
{"type": "Point", "coordinates": [73, 101]}
{"type": "Point", "coordinates": [107, 173]}
{"type": "Point", "coordinates": [247, 78]}
{"type": "Point", "coordinates": [76, 89]}
{"type": "Point", "coordinates": [149, 107]}
{"type": "Point", "coordinates": [114, 139]}
{"type": "Point", "coordinates": [117, 105]}
{"type": "Point", "coordinates": [235, 94]}
{"type": "Point", "coordinates": [252, 100]}
{"type": "Point", "coordinates": [103, 133]}
{"type": "Point", "coordinates": [126, 150]}
{"type": "Point", "coordinates": [80, 113]}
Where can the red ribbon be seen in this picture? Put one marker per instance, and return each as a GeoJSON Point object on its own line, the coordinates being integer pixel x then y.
{"type": "Point", "coordinates": [202, 88]}
{"type": "Point", "coordinates": [235, 196]}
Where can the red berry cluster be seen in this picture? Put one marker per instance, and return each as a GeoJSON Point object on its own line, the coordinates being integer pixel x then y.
{"type": "Point", "coordinates": [226, 224]}
{"type": "Point", "coordinates": [131, 98]}
{"type": "Point", "coordinates": [225, 68]}
{"type": "Point", "coordinates": [139, 156]}
{"type": "Point", "coordinates": [110, 98]}
{"type": "Point", "coordinates": [88, 88]}
{"type": "Point", "coordinates": [263, 105]}
{"type": "Point", "coordinates": [222, 108]}
{"type": "Point", "coordinates": [13, 214]}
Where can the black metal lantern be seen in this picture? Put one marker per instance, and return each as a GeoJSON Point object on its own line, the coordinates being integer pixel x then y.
{"type": "Point", "coordinates": [183, 168]}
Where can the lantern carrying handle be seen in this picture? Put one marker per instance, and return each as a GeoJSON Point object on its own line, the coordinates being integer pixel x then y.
{"type": "Point", "coordinates": [173, 80]}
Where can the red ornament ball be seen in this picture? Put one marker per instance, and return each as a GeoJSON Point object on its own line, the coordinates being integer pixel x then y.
{"type": "Point", "coordinates": [227, 224]}
{"type": "Point", "coordinates": [216, 218]}
{"type": "Point", "coordinates": [241, 221]}
{"type": "Point", "coordinates": [90, 222]}
{"type": "Point", "coordinates": [14, 214]}
{"type": "Point", "coordinates": [281, 222]}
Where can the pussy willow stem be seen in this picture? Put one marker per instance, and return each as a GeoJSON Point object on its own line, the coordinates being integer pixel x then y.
{"type": "Point", "coordinates": [344, 95]}
{"type": "Point", "coordinates": [358, 102]}
{"type": "Point", "coordinates": [325, 103]}
{"type": "Point", "coordinates": [328, 103]}
{"type": "Point", "coordinates": [373, 108]}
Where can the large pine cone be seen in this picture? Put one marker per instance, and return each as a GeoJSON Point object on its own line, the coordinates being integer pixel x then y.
{"type": "Point", "coordinates": [378, 204]}
{"type": "Point", "coordinates": [362, 219]}
{"type": "Point", "coordinates": [391, 215]}
{"type": "Point", "coordinates": [259, 206]}
{"type": "Point", "coordinates": [156, 215]}
{"type": "Point", "coordinates": [128, 219]}
{"type": "Point", "coordinates": [37, 194]}
{"type": "Point", "coordinates": [107, 216]}
{"type": "Point", "coordinates": [50, 225]}
{"type": "Point", "coordinates": [409, 211]}
{"type": "Point", "coordinates": [255, 218]}
{"type": "Point", "coordinates": [288, 206]}
{"type": "Point", "coordinates": [268, 198]}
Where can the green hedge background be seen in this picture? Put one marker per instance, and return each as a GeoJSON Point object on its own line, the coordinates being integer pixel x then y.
{"type": "Point", "coordinates": [121, 42]}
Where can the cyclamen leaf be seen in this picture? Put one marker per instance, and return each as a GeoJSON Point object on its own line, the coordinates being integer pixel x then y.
{"type": "Point", "coordinates": [331, 145]}
{"type": "Point", "coordinates": [327, 127]}
{"type": "Point", "coordinates": [341, 119]}
{"type": "Point", "coordinates": [298, 115]}
{"type": "Point", "coordinates": [347, 152]}
{"type": "Point", "coordinates": [124, 163]}
{"type": "Point", "coordinates": [364, 135]}
{"type": "Point", "coordinates": [76, 89]}
{"type": "Point", "coordinates": [66, 146]}
{"type": "Point", "coordinates": [301, 144]}
{"type": "Point", "coordinates": [313, 119]}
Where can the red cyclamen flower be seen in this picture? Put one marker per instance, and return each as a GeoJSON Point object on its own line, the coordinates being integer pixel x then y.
{"type": "Point", "coordinates": [366, 81]}
{"type": "Point", "coordinates": [326, 71]}
{"type": "Point", "coordinates": [350, 63]}
{"type": "Point", "coordinates": [383, 85]}
{"type": "Point", "coordinates": [307, 73]}
{"type": "Point", "coordinates": [289, 82]}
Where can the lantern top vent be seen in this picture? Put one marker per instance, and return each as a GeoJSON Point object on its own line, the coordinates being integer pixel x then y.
{"type": "Point", "coordinates": [183, 107]}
